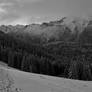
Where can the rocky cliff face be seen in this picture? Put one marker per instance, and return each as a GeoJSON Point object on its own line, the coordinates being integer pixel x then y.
{"type": "Point", "coordinates": [66, 29]}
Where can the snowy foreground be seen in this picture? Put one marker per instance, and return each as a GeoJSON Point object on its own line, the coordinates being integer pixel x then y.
{"type": "Point", "coordinates": [12, 80]}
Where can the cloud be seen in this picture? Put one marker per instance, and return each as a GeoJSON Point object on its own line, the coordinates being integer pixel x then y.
{"type": "Point", "coordinates": [5, 13]}
{"type": "Point", "coordinates": [17, 11]}
{"type": "Point", "coordinates": [2, 10]}
{"type": "Point", "coordinates": [5, 4]}
{"type": "Point", "coordinates": [21, 21]}
{"type": "Point", "coordinates": [28, 0]}
{"type": "Point", "coordinates": [3, 7]}
{"type": "Point", "coordinates": [22, 12]}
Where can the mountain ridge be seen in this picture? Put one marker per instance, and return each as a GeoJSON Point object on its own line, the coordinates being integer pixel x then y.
{"type": "Point", "coordinates": [65, 29]}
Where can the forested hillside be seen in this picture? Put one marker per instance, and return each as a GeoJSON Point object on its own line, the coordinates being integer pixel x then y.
{"type": "Point", "coordinates": [58, 48]}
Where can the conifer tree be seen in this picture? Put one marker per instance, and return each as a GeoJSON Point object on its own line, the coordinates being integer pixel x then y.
{"type": "Point", "coordinates": [11, 58]}
{"type": "Point", "coordinates": [73, 70]}
{"type": "Point", "coordinates": [86, 75]}
{"type": "Point", "coordinates": [24, 65]}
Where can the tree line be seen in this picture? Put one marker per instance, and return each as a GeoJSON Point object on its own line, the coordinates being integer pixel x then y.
{"type": "Point", "coordinates": [67, 60]}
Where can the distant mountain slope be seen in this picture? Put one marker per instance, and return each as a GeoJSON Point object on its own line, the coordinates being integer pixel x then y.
{"type": "Point", "coordinates": [65, 29]}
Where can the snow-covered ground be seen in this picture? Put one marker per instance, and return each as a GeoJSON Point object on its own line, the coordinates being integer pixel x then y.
{"type": "Point", "coordinates": [29, 82]}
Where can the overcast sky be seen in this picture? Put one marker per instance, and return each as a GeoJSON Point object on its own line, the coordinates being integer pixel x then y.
{"type": "Point", "coordinates": [29, 11]}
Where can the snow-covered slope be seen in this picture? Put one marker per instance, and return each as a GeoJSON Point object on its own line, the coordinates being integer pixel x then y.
{"type": "Point", "coordinates": [28, 82]}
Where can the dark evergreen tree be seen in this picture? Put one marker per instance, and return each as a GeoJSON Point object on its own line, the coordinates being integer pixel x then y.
{"type": "Point", "coordinates": [11, 55]}
{"type": "Point", "coordinates": [24, 63]}
{"type": "Point", "coordinates": [86, 74]}
{"type": "Point", "coordinates": [73, 70]}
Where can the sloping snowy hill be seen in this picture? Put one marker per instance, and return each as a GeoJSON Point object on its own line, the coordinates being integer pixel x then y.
{"type": "Point", "coordinates": [29, 82]}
